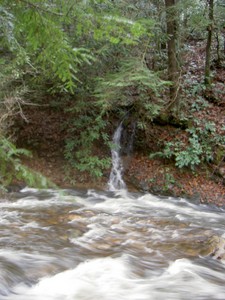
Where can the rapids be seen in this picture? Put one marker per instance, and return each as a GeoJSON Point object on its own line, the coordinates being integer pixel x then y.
{"type": "Point", "coordinates": [89, 245]}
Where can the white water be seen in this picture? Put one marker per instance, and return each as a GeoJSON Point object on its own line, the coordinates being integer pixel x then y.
{"type": "Point", "coordinates": [112, 278]}
{"type": "Point", "coordinates": [78, 245]}
{"type": "Point", "coordinates": [115, 179]}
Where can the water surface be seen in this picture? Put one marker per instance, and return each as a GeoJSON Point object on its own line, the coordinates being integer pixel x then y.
{"type": "Point", "coordinates": [88, 245]}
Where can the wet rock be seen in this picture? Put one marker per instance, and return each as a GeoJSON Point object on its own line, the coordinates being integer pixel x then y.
{"type": "Point", "coordinates": [218, 247]}
{"type": "Point", "coordinates": [74, 217]}
{"type": "Point", "coordinates": [144, 186]}
{"type": "Point", "coordinates": [15, 188]}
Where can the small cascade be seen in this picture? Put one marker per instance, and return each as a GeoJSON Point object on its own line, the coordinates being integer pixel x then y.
{"type": "Point", "coordinates": [115, 179]}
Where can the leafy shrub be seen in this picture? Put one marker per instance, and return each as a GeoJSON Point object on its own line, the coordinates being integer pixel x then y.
{"type": "Point", "coordinates": [200, 148]}
{"type": "Point", "coordinates": [84, 131]}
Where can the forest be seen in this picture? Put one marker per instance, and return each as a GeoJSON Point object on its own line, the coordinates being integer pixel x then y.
{"type": "Point", "coordinates": [72, 70]}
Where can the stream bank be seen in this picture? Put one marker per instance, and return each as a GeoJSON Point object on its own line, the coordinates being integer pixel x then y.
{"type": "Point", "coordinates": [44, 136]}
{"type": "Point", "coordinates": [141, 173]}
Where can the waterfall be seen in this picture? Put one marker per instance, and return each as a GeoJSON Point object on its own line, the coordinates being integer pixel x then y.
{"type": "Point", "coordinates": [115, 179]}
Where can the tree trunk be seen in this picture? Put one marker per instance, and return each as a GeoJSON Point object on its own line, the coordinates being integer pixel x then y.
{"type": "Point", "coordinates": [218, 59]}
{"type": "Point", "coordinates": [209, 44]}
{"type": "Point", "coordinates": [173, 70]}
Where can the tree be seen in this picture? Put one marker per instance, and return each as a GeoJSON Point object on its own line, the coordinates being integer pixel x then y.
{"type": "Point", "coordinates": [209, 44]}
{"type": "Point", "coordinates": [34, 50]}
{"type": "Point", "coordinates": [100, 59]}
{"type": "Point", "coordinates": [173, 68]}
{"type": "Point", "coordinates": [51, 47]}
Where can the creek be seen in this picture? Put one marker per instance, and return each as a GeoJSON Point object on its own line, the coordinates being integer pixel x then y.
{"type": "Point", "coordinates": [89, 245]}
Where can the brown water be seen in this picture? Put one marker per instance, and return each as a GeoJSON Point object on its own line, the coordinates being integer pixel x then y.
{"type": "Point", "coordinates": [88, 245]}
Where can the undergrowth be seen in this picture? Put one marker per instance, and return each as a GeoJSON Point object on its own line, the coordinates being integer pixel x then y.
{"type": "Point", "coordinates": [201, 146]}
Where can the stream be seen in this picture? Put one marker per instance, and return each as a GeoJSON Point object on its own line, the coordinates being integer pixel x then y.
{"type": "Point", "coordinates": [89, 245]}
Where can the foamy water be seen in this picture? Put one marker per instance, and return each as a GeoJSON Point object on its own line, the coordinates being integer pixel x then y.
{"type": "Point", "coordinates": [91, 245]}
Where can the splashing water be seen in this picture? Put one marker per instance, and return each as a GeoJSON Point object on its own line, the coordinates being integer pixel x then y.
{"type": "Point", "coordinates": [90, 245]}
{"type": "Point", "coordinates": [115, 179]}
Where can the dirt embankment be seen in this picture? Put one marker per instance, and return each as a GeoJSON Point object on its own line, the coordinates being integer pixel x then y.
{"type": "Point", "coordinates": [44, 136]}
{"type": "Point", "coordinates": [155, 176]}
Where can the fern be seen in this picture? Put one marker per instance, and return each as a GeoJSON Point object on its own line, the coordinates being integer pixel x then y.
{"type": "Point", "coordinates": [12, 169]}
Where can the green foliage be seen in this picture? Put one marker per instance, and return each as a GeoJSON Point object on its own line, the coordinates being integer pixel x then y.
{"type": "Point", "coordinates": [132, 85]}
{"type": "Point", "coordinates": [12, 169]}
{"type": "Point", "coordinates": [47, 45]}
{"type": "Point", "coordinates": [6, 30]}
{"type": "Point", "coordinates": [34, 34]}
{"type": "Point", "coordinates": [199, 104]}
{"type": "Point", "coordinates": [202, 142]}
{"type": "Point", "coordinates": [196, 22]}
{"type": "Point", "coordinates": [92, 163]}
{"type": "Point", "coordinates": [103, 21]}
{"type": "Point", "coordinates": [84, 131]}
{"type": "Point", "coordinates": [63, 46]}
{"type": "Point", "coordinates": [169, 180]}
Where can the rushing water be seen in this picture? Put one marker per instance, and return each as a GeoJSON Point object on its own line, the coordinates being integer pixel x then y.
{"type": "Point", "coordinates": [89, 245]}
{"type": "Point", "coordinates": [116, 181]}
